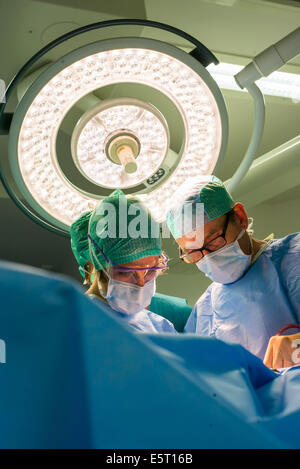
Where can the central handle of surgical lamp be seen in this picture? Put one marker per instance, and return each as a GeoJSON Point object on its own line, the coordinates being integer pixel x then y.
{"type": "Point", "coordinates": [268, 61]}
{"type": "Point", "coordinates": [123, 150]}
{"type": "Point", "coordinates": [127, 158]}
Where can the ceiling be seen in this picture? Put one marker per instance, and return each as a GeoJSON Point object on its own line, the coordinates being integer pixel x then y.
{"type": "Point", "coordinates": [234, 30]}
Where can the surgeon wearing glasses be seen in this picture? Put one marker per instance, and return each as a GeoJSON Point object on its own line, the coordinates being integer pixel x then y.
{"type": "Point", "coordinates": [255, 288]}
{"type": "Point", "coordinates": [121, 266]}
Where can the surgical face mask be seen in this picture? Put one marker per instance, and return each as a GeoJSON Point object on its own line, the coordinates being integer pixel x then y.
{"type": "Point", "coordinates": [127, 297]}
{"type": "Point", "coordinates": [226, 265]}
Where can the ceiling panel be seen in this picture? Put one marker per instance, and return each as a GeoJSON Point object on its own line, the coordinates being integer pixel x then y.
{"type": "Point", "coordinates": [242, 28]}
{"type": "Point", "coordinates": [127, 9]}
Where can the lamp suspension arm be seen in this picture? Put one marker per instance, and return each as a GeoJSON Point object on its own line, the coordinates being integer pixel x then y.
{"type": "Point", "coordinates": [201, 52]}
{"type": "Point", "coordinates": [262, 65]}
{"type": "Point", "coordinates": [259, 120]}
{"type": "Point", "coordinates": [270, 60]}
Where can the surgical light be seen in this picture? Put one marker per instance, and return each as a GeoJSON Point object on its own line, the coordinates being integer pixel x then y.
{"type": "Point", "coordinates": [121, 142]}
{"type": "Point", "coordinates": [72, 139]}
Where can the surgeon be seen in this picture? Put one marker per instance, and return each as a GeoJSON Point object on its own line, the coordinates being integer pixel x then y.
{"type": "Point", "coordinates": [118, 247]}
{"type": "Point", "coordinates": [255, 288]}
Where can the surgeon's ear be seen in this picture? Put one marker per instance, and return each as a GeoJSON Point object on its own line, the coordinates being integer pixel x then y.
{"type": "Point", "coordinates": [89, 271]}
{"type": "Point", "coordinates": [240, 216]}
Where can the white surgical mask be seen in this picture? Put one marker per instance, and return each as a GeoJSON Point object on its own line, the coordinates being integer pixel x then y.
{"type": "Point", "coordinates": [128, 298]}
{"type": "Point", "coordinates": [228, 264]}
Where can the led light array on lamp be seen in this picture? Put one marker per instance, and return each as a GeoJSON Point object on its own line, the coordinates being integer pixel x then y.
{"type": "Point", "coordinates": [36, 145]}
{"type": "Point", "coordinates": [143, 124]}
{"type": "Point", "coordinates": [282, 84]}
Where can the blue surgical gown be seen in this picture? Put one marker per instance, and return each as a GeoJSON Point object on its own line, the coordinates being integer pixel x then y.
{"type": "Point", "coordinates": [144, 321]}
{"type": "Point", "coordinates": [253, 309]}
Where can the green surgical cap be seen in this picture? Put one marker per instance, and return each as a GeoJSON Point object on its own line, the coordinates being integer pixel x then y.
{"type": "Point", "coordinates": [184, 214]}
{"type": "Point", "coordinates": [123, 229]}
{"type": "Point", "coordinates": [79, 240]}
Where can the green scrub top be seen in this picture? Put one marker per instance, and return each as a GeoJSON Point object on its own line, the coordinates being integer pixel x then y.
{"type": "Point", "coordinates": [176, 310]}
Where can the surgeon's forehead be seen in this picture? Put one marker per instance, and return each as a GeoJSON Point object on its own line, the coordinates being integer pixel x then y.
{"type": "Point", "coordinates": [197, 238]}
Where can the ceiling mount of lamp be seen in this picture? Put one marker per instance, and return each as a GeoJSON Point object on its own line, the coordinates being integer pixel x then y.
{"type": "Point", "coordinates": [72, 140]}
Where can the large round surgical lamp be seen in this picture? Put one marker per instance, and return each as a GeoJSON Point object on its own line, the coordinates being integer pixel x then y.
{"type": "Point", "coordinates": [126, 140]}
{"type": "Point", "coordinates": [131, 113]}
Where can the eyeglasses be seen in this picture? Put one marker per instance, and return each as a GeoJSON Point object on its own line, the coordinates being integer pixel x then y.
{"type": "Point", "coordinates": [130, 275]}
{"type": "Point", "coordinates": [196, 254]}
{"type": "Point", "coordinates": [127, 274]}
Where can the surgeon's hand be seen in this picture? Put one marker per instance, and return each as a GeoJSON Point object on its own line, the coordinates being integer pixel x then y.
{"type": "Point", "coordinates": [283, 351]}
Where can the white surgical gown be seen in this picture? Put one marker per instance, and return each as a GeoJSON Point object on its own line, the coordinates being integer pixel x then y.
{"type": "Point", "coordinates": [253, 309]}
